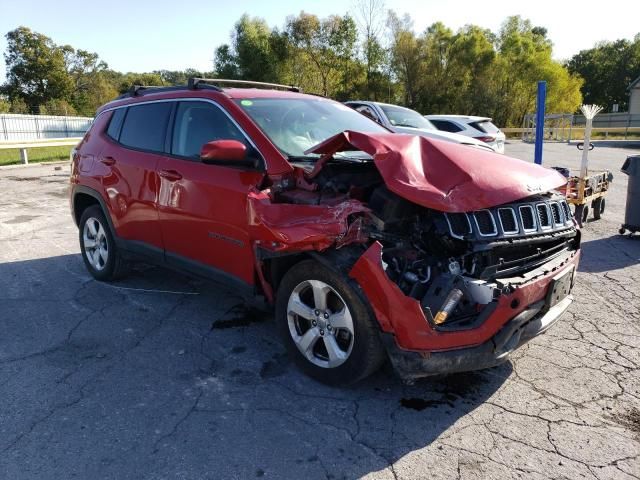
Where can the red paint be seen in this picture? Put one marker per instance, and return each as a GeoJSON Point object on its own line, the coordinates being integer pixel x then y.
{"type": "Point", "coordinates": [287, 227]}
{"type": "Point", "coordinates": [446, 176]}
{"type": "Point", "coordinates": [404, 317]}
{"type": "Point", "coordinates": [220, 216]}
{"type": "Point", "coordinates": [223, 150]}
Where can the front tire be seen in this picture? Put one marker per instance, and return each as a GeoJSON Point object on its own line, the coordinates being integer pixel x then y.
{"type": "Point", "coordinates": [326, 326]}
{"type": "Point", "coordinates": [98, 247]}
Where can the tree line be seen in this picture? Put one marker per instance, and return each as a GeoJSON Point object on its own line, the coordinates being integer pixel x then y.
{"type": "Point", "coordinates": [372, 53]}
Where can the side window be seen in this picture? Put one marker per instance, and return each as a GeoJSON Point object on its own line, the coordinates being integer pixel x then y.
{"type": "Point", "coordinates": [197, 123]}
{"type": "Point", "coordinates": [115, 123]}
{"type": "Point", "coordinates": [368, 112]}
{"type": "Point", "coordinates": [446, 126]}
{"type": "Point", "coordinates": [145, 126]}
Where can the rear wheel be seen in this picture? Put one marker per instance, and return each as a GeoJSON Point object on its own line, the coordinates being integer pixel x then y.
{"type": "Point", "coordinates": [98, 247]}
{"type": "Point", "coordinates": [325, 326]}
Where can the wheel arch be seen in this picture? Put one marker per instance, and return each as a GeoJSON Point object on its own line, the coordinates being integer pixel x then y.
{"type": "Point", "coordinates": [339, 260]}
{"type": "Point", "coordinates": [85, 197]}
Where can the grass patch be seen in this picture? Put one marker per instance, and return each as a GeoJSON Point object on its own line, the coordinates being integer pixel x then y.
{"type": "Point", "coordinates": [36, 155]}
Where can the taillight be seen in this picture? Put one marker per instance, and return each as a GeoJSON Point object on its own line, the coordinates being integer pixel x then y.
{"type": "Point", "coordinates": [486, 139]}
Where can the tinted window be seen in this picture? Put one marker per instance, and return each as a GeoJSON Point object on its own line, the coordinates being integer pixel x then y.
{"type": "Point", "coordinates": [198, 123]}
{"type": "Point", "coordinates": [485, 126]}
{"type": "Point", "coordinates": [446, 126]}
{"type": "Point", "coordinates": [116, 122]}
{"type": "Point", "coordinates": [145, 126]}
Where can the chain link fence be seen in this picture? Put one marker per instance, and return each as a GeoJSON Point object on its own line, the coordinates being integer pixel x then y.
{"type": "Point", "coordinates": [35, 127]}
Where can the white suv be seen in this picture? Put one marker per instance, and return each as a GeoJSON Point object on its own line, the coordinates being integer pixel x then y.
{"type": "Point", "coordinates": [479, 128]}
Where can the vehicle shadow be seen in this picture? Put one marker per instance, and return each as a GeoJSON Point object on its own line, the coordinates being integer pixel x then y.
{"type": "Point", "coordinates": [164, 374]}
{"type": "Point", "coordinates": [611, 253]}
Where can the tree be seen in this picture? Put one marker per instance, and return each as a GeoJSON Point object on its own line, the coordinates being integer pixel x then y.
{"type": "Point", "coordinates": [36, 68]}
{"type": "Point", "coordinates": [608, 69]}
{"type": "Point", "coordinates": [253, 53]}
{"type": "Point", "coordinates": [406, 56]}
{"type": "Point", "coordinates": [370, 15]}
{"type": "Point", "coordinates": [328, 45]}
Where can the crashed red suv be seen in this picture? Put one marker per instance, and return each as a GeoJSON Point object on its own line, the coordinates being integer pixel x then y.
{"type": "Point", "coordinates": [369, 244]}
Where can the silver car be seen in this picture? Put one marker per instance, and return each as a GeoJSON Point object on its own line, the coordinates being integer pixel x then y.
{"type": "Point", "coordinates": [404, 120]}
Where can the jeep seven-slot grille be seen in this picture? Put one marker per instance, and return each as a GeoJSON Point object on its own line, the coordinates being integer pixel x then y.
{"type": "Point", "coordinates": [528, 220]}
{"type": "Point", "coordinates": [556, 213]}
{"type": "Point", "coordinates": [566, 210]}
{"type": "Point", "coordinates": [542, 216]}
{"type": "Point", "coordinates": [459, 224]}
{"type": "Point", "coordinates": [485, 222]}
{"type": "Point", "coordinates": [508, 220]}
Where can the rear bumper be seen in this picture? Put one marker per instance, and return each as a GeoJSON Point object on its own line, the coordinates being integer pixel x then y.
{"type": "Point", "coordinates": [528, 324]}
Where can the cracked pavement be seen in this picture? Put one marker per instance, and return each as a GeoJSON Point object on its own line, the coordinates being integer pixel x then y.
{"type": "Point", "coordinates": [164, 376]}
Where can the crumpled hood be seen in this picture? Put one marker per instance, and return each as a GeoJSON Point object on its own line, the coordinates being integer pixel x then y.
{"type": "Point", "coordinates": [445, 176]}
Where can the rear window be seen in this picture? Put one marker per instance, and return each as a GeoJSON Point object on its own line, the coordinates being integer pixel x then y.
{"type": "Point", "coordinates": [115, 123]}
{"type": "Point", "coordinates": [446, 126]}
{"type": "Point", "coordinates": [485, 126]}
{"type": "Point", "coordinates": [145, 126]}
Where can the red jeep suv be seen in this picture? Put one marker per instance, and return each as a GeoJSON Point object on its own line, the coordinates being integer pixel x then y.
{"type": "Point", "coordinates": [369, 244]}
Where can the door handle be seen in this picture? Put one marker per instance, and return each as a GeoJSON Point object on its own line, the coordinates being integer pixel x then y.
{"type": "Point", "coordinates": [108, 161]}
{"type": "Point", "coordinates": [170, 175]}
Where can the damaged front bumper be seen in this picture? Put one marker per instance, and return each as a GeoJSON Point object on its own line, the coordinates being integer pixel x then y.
{"type": "Point", "coordinates": [417, 349]}
{"type": "Point", "coordinates": [523, 327]}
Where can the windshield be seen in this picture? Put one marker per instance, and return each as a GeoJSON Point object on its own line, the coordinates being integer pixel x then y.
{"type": "Point", "coordinates": [297, 124]}
{"type": "Point", "coordinates": [404, 117]}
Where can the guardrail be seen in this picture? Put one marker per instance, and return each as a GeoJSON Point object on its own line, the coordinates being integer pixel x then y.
{"type": "Point", "coordinates": [569, 133]}
{"type": "Point", "coordinates": [23, 145]}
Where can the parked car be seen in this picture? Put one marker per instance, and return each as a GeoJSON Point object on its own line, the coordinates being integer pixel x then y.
{"type": "Point", "coordinates": [480, 128]}
{"type": "Point", "coordinates": [369, 245]}
{"type": "Point", "coordinates": [404, 120]}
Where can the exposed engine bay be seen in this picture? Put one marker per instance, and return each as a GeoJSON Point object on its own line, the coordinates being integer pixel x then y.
{"type": "Point", "coordinates": [454, 264]}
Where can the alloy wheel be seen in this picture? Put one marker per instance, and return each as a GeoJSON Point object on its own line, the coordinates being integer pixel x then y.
{"type": "Point", "coordinates": [320, 323]}
{"type": "Point", "coordinates": [94, 240]}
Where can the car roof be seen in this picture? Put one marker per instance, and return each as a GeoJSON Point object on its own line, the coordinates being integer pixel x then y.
{"type": "Point", "coordinates": [169, 93]}
{"type": "Point", "coordinates": [378, 103]}
{"type": "Point", "coordinates": [240, 93]}
{"type": "Point", "coordinates": [471, 118]}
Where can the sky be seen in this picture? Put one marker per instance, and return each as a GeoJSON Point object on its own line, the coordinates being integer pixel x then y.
{"type": "Point", "coordinates": [142, 36]}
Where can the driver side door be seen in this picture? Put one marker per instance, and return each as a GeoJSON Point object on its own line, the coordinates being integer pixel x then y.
{"type": "Point", "coordinates": [202, 208]}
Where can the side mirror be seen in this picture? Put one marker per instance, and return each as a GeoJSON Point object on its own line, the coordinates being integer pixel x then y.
{"type": "Point", "coordinates": [222, 151]}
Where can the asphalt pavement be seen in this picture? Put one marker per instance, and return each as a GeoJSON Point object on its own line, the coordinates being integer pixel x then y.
{"type": "Point", "coordinates": [162, 376]}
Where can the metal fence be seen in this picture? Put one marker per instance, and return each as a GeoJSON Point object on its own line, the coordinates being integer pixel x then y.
{"type": "Point", "coordinates": [563, 127]}
{"type": "Point", "coordinates": [34, 127]}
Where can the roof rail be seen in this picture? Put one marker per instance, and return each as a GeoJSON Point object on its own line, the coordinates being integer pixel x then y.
{"type": "Point", "coordinates": [195, 82]}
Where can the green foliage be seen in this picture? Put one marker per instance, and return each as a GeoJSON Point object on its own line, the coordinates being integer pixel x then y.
{"type": "Point", "coordinates": [57, 107]}
{"type": "Point", "coordinates": [36, 68]}
{"type": "Point", "coordinates": [608, 69]}
{"type": "Point", "coordinates": [475, 72]}
{"type": "Point", "coordinates": [5, 105]}
{"type": "Point", "coordinates": [376, 54]}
